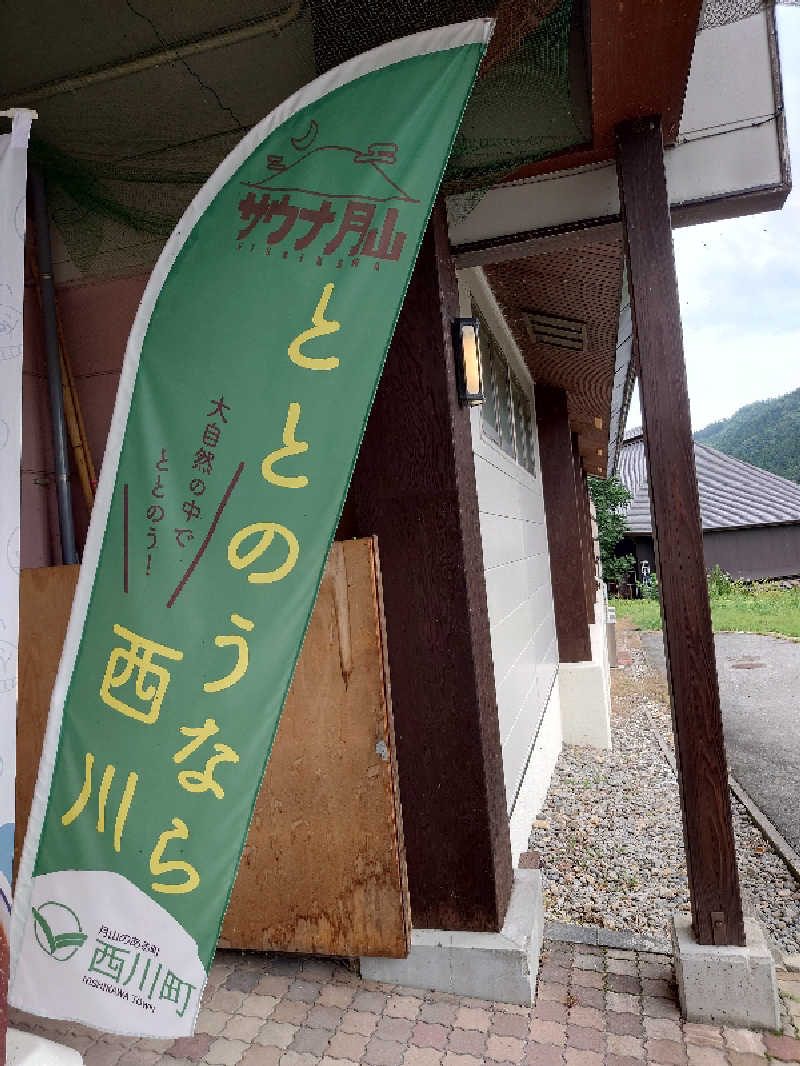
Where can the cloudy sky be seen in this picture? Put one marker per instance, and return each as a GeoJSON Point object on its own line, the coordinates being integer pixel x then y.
{"type": "Point", "coordinates": [739, 284]}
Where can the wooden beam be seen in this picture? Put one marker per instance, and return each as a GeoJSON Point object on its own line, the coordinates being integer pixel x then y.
{"type": "Point", "coordinates": [582, 515]}
{"type": "Point", "coordinates": [592, 451]}
{"type": "Point", "coordinates": [527, 243]}
{"type": "Point", "coordinates": [688, 639]}
{"type": "Point", "coordinates": [587, 541]}
{"type": "Point", "coordinates": [591, 563]}
{"type": "Point", "coordinates": [640, 58]}
{"type": "Point", "coordinates": [414, 487]}
{"type": "Point", "coordinates": [563, 524]}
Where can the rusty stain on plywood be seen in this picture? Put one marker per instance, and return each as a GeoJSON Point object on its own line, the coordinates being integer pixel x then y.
{"type": "Point", "coordinates": [337, 571]}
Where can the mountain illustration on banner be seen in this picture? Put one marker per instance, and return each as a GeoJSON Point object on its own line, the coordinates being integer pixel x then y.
{"type": "Point", "coordinates": [350, 173]}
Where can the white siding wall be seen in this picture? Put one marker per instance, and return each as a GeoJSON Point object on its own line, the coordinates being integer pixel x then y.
{"type": "Point", "coordinates": [517, 570]}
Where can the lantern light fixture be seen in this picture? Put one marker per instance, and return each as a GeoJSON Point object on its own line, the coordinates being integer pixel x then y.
{"type": "Point", "coordinates": [469, 377]}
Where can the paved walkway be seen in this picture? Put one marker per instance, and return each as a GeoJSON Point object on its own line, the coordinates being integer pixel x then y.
{"type": "Point", "coordinates": [595, 1007]}
{"type": "Point", "coordinates": [759, 679]}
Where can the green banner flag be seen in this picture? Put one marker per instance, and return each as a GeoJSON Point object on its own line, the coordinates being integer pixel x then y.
{"type": "Point", "coordinates": [246, 386]}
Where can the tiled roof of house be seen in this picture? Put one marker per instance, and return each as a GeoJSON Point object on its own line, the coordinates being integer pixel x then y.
{"type": "Point", "coordinates": [733, 494]}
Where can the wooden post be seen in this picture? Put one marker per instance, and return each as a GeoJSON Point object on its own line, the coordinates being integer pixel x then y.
{"type": "Point", "coordinates": [4, 974]}
{"type": "Point", "coordinates": [677, 533]}
{"type": "Point", "coordinates": [563, 524]}
{"type": "Point", "coordinates": [587, 547]}
{"type": "Point", "coordinates": [594, 548]}
{"type": "Point", "coordinates": [414, 487]}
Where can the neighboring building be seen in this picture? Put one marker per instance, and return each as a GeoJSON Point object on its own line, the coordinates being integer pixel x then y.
{"type": "Point", "coordinates": [495, 620]}
{"type": "Point", "coordinates": [751, 518]}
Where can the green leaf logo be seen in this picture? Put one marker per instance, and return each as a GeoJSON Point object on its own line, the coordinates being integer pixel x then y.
{"type": "Point", "coordinates": [57, 930]}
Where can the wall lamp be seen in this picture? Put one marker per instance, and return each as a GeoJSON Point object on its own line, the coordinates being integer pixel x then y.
{"type": "Point", "coordinates": [469, 378]}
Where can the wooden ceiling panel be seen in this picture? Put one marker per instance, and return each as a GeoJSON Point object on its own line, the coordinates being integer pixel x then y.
{"type": "Point", "coordinates": [581, 283]}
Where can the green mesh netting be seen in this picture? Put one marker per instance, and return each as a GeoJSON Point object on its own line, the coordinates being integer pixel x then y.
{"type": "Point", "coordinates": [135, 197]}
{"type": "Point", "coordinates": [115, 197]}
{"type": "Point", "coordinates": [523, 109]}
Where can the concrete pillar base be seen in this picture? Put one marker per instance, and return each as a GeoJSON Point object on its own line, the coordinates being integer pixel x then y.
{"type": "Point", "coordinates": [611, 636]}
{"type": "Point", "coordinates": [496, 966]}
{"type": "Point", "coordinates": [585, 704]}
{"type": "Point", "coordinates": [25, 1049]}
{"type": "Point", "coordinates": [726, 985]}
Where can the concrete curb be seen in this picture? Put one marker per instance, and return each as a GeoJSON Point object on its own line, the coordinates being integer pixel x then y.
{"type": "Point", "coordinates": [493, 966]}
{"type": "Point", "coordinates": [779, 843]}
{"type": "Point", "coordinates": [666, 750]}
{"type": "Point", "coordinates": [596, 935]}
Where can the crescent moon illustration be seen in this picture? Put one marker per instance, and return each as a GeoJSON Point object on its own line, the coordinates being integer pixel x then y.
{"type": "Point", "coordinates": [308, 138]}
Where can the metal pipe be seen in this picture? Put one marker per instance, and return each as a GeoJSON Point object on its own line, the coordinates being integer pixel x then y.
{"type": "Point", "coordinates": [60, 452]}
{"type": "Point", "coordinates": [135, 65]}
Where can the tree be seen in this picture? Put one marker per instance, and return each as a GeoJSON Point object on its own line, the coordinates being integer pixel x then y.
{"type": "Point", "coordinates": [610, 501]}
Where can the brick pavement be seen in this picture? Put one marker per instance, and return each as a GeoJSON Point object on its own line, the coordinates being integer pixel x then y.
{"type": "Point", "coordinates": [595, 1007]}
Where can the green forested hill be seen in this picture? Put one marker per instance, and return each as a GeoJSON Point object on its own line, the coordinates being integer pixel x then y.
{"type": "Point", "coordinates": [766, 434]}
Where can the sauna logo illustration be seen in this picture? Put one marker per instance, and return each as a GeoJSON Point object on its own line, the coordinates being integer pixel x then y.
{"type": "Point", "coordinates": [58, 930]}
{"type": "Point", "coordinates": [345, 219]}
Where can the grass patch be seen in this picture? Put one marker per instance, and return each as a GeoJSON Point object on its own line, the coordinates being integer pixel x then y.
{"type": "Point", "coordinates": [765, 611]}
{"type": "Point", "coordinates": [735, 607]}
{"type": "Point", "coordinates": [642, 614]}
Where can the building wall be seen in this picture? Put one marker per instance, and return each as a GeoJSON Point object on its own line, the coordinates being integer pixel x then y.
{"type": "Point", "coordinates": [518, 590]}
{"type": "Point", "coordinates": [755, 554]}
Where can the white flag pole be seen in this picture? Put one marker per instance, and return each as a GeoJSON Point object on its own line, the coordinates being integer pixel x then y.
{"type": "Point", "coordinates": [13, 173]}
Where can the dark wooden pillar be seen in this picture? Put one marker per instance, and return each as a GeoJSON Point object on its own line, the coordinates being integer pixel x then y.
{"type": "Point", "coordinates": [594, 562]}
{"type": "Point", "coordinates": [591, 565]}
{"type": "Point", "coordinates": [592, 549]}
{"type": "Point", "coordinates": [414, 486]}
{"type": "Point", "coordinates": [585, 520]}
{"type": "Point", "coordinates": [677, 532]}
{"type": "Point", "coordinates": [563, 524]}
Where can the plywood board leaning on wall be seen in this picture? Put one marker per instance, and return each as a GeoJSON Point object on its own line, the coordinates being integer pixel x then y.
{"type": "Point", "coordinates": [45, 600]}
{"type": "Point", "coordinates": [323, 870]}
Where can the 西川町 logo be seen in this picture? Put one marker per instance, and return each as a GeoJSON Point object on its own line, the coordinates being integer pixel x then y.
{"type": "Point", "coordinates": [58, 930]}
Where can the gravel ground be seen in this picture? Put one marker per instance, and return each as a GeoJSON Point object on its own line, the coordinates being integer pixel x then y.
{"type": "Point", "coordinates": [610, 836]}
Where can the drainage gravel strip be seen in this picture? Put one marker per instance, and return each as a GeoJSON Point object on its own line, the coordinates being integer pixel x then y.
{"type": "Point", "coordinates": [610, 836]}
